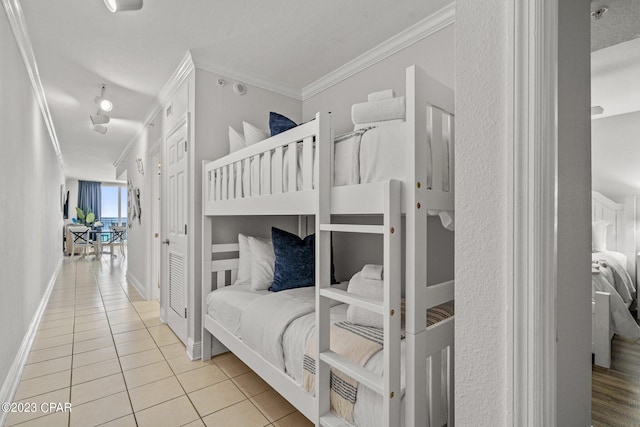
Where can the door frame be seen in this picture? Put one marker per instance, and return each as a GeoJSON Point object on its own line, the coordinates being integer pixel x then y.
{"type": "Point", "coordinates": [153, 157]}
{"type": "Point", "coordinates": [533, 156]}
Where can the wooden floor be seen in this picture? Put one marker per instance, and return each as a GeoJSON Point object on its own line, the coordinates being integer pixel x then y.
{"type": "Point", "coordinates": [615, 395]}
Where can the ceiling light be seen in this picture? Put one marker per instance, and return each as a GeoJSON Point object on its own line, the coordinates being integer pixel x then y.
{"type": "Point", "coordinates": [100, 129]}
{"type": "Point", "coordinates": [596, 110]}
{"type": "Point", "coordinates": [122, 5]}
{"type": "Point", "coordinates": [99, 119]}
{"type": "Point", "coordinates": [102, 102]}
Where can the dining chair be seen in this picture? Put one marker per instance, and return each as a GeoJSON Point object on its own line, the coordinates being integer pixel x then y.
{"type": "Point", "coordinates": [80, 237]}
{"type": "Point", "coordinates": [118, 238]}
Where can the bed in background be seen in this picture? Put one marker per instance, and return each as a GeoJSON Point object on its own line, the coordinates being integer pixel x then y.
{"type": "Point", "coordinates": [614, 283]}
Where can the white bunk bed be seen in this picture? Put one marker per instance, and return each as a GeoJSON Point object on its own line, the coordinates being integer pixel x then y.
{"type": "Point", "coordinates": [607, 306]}
{"type": "Point", "coordinates": [429, 131]}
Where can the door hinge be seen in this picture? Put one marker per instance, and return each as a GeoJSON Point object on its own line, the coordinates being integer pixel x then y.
{"type": "Point", "coordinates": [185, 312]}
{"type": "Point", "coordinates": [185, 146]}
{"type": "Point", "coordinates": [185, 229]}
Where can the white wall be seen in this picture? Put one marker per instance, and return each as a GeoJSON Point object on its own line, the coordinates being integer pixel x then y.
{"type": "Point", "coordinates": [615, 150]}
{"type": "Point", "coordinates": [435, 54]}
{"type": "Point", "coordinates": [138, 255]}
{"type": "Point", "coordinates": [482, 102]}
{"type": "Point", "coordinates": [31, 216]}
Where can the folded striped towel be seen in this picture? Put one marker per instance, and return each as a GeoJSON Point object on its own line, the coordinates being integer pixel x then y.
{"type": "Point", "coordinates": [356, 343]}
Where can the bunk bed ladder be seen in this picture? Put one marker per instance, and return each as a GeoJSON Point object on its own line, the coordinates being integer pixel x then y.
{"type": "Point", "coordinates": [387, 385]}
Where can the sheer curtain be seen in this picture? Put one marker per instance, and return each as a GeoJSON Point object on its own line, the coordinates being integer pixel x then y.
{"type": "Point", "coordinates": [90, 196]}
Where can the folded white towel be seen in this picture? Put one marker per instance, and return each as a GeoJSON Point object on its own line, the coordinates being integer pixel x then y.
{"type": "Point", "coordinates": [382, 94]}
{"type": "Point", "coordinates": [372, 272]}
{"type": "Point", "coordinates": [367, 288]}
{"type": "Point", "coordinates": [375, 111]}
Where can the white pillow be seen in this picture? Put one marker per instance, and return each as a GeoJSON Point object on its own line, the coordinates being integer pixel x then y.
{"type": "Point", "coordinates": [236, 140]}
{"type": "Point", "coordinates": [252, 134]}
{"type": "Point", "coordinates": [244, 264]}
{"type": "Point", "coordinates": [599, 236]}
{"type": "Point", "coordinates": [262, 263]}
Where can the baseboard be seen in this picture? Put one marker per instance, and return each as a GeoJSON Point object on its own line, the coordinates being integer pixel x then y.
{"type": "Point", "coordinates": [13, 377]}
{"type": "Point", "coordinates": [136, 284]}
{"type": "Point", "coordinates": [194, 349]}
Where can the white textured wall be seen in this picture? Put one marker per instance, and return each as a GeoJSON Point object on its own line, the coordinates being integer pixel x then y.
{"type": "Point", "coordinates": [481, 194]}
{"type": "Point", "coordinates": [31, 216]}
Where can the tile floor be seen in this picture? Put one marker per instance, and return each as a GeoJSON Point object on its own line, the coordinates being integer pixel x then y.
{"type": "Point", "coordinates": [102, 348]}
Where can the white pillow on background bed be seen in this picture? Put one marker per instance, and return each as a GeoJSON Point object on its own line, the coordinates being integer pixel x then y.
{"type": "Point", "coordinates": [252, 134]}
{"type": "Point", "coordinates": [599, 236]}
{"type": "Point", "coordinates": [263, 262]}
{"type": "Point", "coordinates": [244, 263]}
{"type": "Point", "coordinates": [236, 140]}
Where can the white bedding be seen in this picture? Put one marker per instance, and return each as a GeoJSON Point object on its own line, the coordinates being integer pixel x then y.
{"type": "Point", "coordinates": [225, 305]}
{"type": "Point", "coordinates": [280, 336]}
{"type": "Point", "coordinates": [614, 279]}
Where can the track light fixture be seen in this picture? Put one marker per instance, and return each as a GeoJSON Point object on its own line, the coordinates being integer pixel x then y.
{"type": "Point", "coordinates": [101, 129]}
{"type": "Point", "coordinates": [99, 118]}
{"type": "Point", "coordinates": [122, 5]}
{"type": "Point", "coordinates": [102, 102]}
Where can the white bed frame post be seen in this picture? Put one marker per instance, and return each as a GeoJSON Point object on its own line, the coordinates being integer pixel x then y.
{"type": "Point", "coordinates": [416, 253]}
{"type": "Point", "coordinates": [324, 172]}
{"type": "Point", "coordinates": [206, 270]}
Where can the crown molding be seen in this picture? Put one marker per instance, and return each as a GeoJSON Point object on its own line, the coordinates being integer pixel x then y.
{"type": "Point", "coordinates": [179, 75]}
{"type": "Point", "coordinates": [15, 16]}
{"type": "Point", "coordinates": [431, 24]}
{"type": "Point", "coordinates": [207, 64]}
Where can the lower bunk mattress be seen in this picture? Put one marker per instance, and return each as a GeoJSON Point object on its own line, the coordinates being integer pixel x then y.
{"type": "Point", "coordinates": [279, 325]}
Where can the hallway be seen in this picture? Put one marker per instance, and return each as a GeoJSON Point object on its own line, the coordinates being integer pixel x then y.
{"type": "Point", "coordinates": [103, 349]}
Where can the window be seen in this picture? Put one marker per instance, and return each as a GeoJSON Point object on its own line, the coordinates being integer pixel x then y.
{"type": "Point", "coordinates": [114, 205]}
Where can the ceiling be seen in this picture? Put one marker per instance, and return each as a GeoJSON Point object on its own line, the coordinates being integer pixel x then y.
{"type": "Point", "coordinates": [79, 45]}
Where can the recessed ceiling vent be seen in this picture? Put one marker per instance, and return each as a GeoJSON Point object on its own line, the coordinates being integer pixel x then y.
{"type": "Point", "coordinates": [599, 12]}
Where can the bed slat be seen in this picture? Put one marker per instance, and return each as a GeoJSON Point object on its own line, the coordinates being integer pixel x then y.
{"type": "Point", "coordinates": [277, 166]}
{"type": "Point", "coordinates": [307, 164]}
{"type": "Point", "coordinates": [434, 123]}
{"type": "Point", "coordinates": [292, 162]}
{"type": "Point", "coordinates": [266, 188]}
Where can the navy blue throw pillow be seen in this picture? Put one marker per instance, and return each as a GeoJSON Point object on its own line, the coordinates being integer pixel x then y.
{"type": "Point", "coordinates": [279, 123]}
{"type": "Point", "coordinates": [295, 261]}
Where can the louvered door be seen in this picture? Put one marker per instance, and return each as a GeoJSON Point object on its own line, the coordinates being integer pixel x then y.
{"type": "Point", "coordinates": [176, 209]}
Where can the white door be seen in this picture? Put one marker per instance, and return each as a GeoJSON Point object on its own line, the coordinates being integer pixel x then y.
{"type": "Point", "coordinates": [176, 266]}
